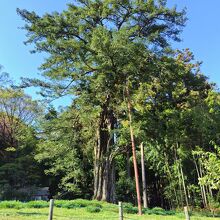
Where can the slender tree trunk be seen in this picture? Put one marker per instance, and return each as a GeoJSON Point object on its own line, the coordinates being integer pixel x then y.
{"type": "Point", "coordinates": [201, 189]}
{"type": "Point", "coordinates": [179, 176]}
{"type": "Point", "coordinates": [104, 166]}
{"type": "Point", "coordinates": [128, 167]}
{"type": "Point", "coordinates": [170, 176]}
{"type": "Point", "coordinates": [143, 177]}
{"type": "Point", "coordinates": [184, 186]}
{"type": "Point", "coordinates": [180, 184]}
{"type": "Point", "coordinates": [134, 153]}
{"type": "Point", "coordinates": [210, 192]}
{"type": "Point", "coordinates": [183, 180]}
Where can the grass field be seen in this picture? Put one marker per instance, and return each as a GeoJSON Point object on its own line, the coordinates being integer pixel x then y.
{"type": "Point", "coordinates": [80, 214]}
{"type": "Point", "coordinates": [81, 211]}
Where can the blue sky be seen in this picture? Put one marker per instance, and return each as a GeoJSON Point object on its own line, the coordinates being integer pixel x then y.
{"type": "Point", "coordinates": [15, 57]}
{"type": "Point", "coordinates": [201, 35]}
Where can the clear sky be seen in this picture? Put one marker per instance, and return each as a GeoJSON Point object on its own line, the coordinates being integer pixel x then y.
{"type": "Point", "coordinates": [201, 35]}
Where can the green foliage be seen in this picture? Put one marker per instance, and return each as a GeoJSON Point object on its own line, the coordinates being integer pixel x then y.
{"type": "Point", "coordinates": [37, 204]}
{"type": "Point", "coordinates": [129, 208]}
{"type": "Point", "coordinates": [93, 209]}
{"type": "Point", "coordinates": [69, 204]}
{"type": "Point", "coordinates": [159, 211]}
{"type": "Point", "coordinates": [68, 158]}
{"type": "Point", "coordinates": [11, 204]}
{"type": "Point", "coordinates": [125, 187]}
{"type": "Point", "coordinates": [78, 203]}
{"type": "Point", "coordinates": [96, 51]}
{"type": "Point", "coordinates": [211, 164]}
{"type": "Point", "coordinates": [18, 113]}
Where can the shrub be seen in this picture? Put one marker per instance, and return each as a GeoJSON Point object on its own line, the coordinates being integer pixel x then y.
{"type": "Point", "coordinates": [146, 211]}
{"type": "Point", "coordinates": [66, 204]}
{"type": "Point", "coordinates": [37, 204]}
{"type": "Point", "coordinates": [158, 211]}
{"type": "Point", "coordinates": [85, 203]}
{"type": "Point", "coordinates": [11, 205]}
{"type": "Point", "coordinates": [170, 212]}
{"type": "Point", "coordinates": [129, 209]}
{"type": "Point", "coordinates": [78, 203]}
{"type": "Point", "coordinates": [93, 209]}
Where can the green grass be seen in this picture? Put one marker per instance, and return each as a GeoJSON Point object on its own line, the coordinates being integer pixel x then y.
{"type": "Point", "coordinates": [83, 210]}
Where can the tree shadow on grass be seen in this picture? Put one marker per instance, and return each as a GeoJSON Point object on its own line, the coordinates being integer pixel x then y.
{"type": "Point", "coordinates": [31, 213]}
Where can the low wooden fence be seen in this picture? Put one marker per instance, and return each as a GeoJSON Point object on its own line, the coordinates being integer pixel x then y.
{"type": "Point", "coordinates": [120, 212]}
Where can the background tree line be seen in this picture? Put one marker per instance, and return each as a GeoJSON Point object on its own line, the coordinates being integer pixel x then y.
{"type": "Point", "coordinates": [128, 87]}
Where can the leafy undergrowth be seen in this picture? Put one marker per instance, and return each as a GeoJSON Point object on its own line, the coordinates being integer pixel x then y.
{"type": "Point", "coordinates": [85, 209]}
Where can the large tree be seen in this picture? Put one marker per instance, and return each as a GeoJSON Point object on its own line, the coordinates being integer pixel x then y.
{"type": "Point", "coordinates": [63, 149]}
{"type": "Point", "coordinates": [17, 141]}
{"type": "Point", "coordinates": [97, 49]}
{"type": "Point", "coordinates": [176, 118]}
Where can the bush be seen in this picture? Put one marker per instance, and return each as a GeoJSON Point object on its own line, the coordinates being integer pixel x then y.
{"type": "Point", "coordinates": [78, 203]}
{"type": "Point", "coordinates": [171, 212]}
{"type": "Point", "coordinates": [146, 211]}
{"type": "Point", "coordinates": [158, 211]}
{"type": "Point", "coordinates": [129, 208]}
{"type": "Point", "coordinates": [11, 205]}
{"type": "Point", "coordinates": [69, 204]}
{"type": "Point", "coordinates": [93, 209]}
{"type": "Point", "coordinates": [85, 203]}
{"type": "Point", "coordinates": [66, 204]}
{"type": "Point", "coordinates": [37, 204]}
{"type": "Point", "coordinates": [125, 188]}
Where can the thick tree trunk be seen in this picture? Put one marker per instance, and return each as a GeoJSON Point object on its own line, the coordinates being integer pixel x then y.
{"type": "Point", "coordinates": [104, 166]}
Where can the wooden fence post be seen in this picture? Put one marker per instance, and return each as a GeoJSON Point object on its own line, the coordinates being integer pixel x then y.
{"type": "Point", "coordinates": [186, 213]}
{"type": "Point", "coordinates": [51, 209]}
{"type": "Point", "coordinates": [120, 210]}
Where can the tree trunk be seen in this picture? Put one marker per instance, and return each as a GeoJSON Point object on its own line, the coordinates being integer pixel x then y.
{"type": "Point", "coordinates": [134, 153]}
{"type": "Point", "coordinates": [169, 177]}
{"type": "Point", "coordinates": [203, 187]}
{"type": "Point", "coordinates": [128, 167]}
{"type": "Point", "coordinates": [184, 186]}
{"type": "Point", "coordinates": [180, 184]}
{"type": "Point", "coordinates": [143, 177]}
{"type": "Point", "coordinates": [210, 192]}
{"type": "Point", "coordinates": [204, 201]}
{"type": "Point", "coordinates": [179, 177]}
{"type": "Point", "coordinates": [104, 166]}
